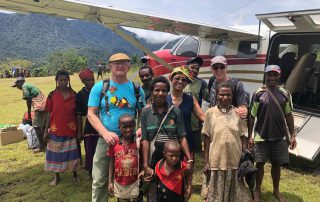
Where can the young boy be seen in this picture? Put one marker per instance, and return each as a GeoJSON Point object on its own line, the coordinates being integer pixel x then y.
{"type": "Point", "coordinates": [171, 173]}
{"type": "Point", "coordinates": [124, 163]}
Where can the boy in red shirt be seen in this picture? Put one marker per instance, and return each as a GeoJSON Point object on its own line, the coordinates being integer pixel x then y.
{"type": "Point", "coordinates": [124, 163]}
{"type": "Point", "coordinates": [171, 174]}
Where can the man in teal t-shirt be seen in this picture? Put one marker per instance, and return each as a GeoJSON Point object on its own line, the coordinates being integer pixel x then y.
{"type": "Point", "coordinates": [120, 99]}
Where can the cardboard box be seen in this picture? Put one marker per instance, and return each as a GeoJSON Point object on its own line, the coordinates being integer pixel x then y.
{"type": "Point", "coordinates": [9, 137]}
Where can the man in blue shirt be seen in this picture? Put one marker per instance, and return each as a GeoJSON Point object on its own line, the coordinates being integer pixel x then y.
{"type": "Point", "coordinates": [121, 99]}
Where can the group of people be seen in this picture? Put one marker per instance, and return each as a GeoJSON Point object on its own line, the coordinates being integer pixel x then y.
{"type": "Point", "coordinates": [149, 134]}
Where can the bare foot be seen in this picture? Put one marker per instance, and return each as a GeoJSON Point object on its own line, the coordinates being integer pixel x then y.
{"type": "Point", "coordinates": [54, 182]}
{"type": "Point", "coordinates": [279, 196]}
{"type": "Point", "coordinates": [257, 196]}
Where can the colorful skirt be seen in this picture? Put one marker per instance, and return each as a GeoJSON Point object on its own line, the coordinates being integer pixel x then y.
{"type": "Point", "coordinates": [62, 154]}
{"type": "Point", "coordinates": [224, 185]}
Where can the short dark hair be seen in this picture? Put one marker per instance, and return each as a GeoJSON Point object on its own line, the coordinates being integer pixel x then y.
{"type": "Point", "coordinates": [223, 85]}
{"type": "Point", "coordinates": [126, 116]}
{"type": "Point", "coordinates": [172, 143]}
{"type": "Point", "coordinates": [62, 72]}
{"type": "Point", "coordinates": [159, 79]}
{"type": "Point", "coordinates": [146, 67]}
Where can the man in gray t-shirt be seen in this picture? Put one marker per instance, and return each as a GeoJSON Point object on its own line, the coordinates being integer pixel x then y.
{"type": "Point", "coordinates": [219, 70]}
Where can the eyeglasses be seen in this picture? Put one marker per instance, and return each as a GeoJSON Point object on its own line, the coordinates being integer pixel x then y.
{"type": "Point", "coordinates": [218, 66]}
{"type": "Point", "coordinates": [180, 79]}
{"type": "Point", "coordinates": [123, 63]}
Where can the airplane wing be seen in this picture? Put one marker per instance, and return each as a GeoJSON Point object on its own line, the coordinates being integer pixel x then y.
{"type": "Point", "coordinates": [292, 21]}
{"type": "Point", "coordinates": [116, 19]}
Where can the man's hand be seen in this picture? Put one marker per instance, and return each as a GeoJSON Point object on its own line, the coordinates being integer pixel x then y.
{"type": "Point", "coordinates": [206, 170]}
{"type": "Point", "coordinates": [242, 111]}
{"type": "Point", "coordinates": [110, 137]}
{"type": "Point", "coordinates": [148, 174]}
{"type": "Point", "coordinates": [251, 144]}
{"type": "Point", "coordinates": [111, 189]}
{"type": "Point", "coordinates": [293, 142]}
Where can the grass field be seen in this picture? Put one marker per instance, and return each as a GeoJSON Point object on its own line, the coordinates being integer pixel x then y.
{"type": "Point", "coordinates": [22, 176]}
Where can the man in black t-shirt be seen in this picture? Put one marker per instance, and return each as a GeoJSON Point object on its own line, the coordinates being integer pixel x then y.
{"type": "Point", "coordinates": [85, 129]}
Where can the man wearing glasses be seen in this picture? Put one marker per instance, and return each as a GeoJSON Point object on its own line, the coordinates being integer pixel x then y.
{"type": "Point", "coordinates": [110, 103]}
{"type": "Point", "coordinates": [239, 100]}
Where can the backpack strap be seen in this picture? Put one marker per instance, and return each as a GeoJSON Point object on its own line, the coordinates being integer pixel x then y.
{"type": "Point", "coordinates": [105, 88]}
{"type": "Point", "coordinates": [136, 87]}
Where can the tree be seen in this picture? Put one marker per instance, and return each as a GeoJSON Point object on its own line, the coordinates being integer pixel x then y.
{"type": "Point", "coordinates": [68, 60]}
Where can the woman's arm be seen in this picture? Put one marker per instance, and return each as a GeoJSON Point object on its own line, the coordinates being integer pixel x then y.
{"type": "Point", "coordinates": [185, 147]}
{"type": "Point", "coordinates": [206, 169]}
{"type": "Point", "coordinates": [148, 172]}
{"type": "Point", "coordinates": [79, 123]}
{"type": "Point", "coordinates": [45, 133]}
{"type": "Point", "coordinates": [197, 110]}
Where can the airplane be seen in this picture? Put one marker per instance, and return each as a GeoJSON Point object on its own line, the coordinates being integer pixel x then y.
{"type": "Point", "coordinates": [294, 47]}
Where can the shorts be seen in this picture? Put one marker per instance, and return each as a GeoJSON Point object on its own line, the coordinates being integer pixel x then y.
{"type": "Point", "coordinates": [275, 151]}
{"type": "Point", "coordinates": [39, 119]}
{"type": "Point", "coordinates": [197, 141]}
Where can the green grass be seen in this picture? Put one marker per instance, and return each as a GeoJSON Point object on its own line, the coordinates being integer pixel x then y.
{"type": "Point", "coordinates": [22, 175]}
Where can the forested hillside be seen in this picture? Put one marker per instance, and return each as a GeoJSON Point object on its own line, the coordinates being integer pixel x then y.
{"type": "Point", "coordinates": [34, 36]}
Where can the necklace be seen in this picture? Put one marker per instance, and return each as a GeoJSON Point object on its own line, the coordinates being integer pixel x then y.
{"type": "Point", "coordinates": [224, 109]}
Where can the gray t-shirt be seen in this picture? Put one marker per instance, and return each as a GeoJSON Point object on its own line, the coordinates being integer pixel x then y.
{"type": "Point", "coordinates": [239, 94]}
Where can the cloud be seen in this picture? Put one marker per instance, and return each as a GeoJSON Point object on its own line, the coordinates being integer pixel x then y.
{"type": "Point", "coordinates": [152, 36]}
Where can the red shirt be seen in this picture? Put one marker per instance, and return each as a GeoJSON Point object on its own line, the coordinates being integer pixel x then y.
{"type": "Point", "coordinates": [125, 162]}
{"type": "Point", "coordinates": [63, 120]}
{"type": "Point", "coordinates": [173, 181]}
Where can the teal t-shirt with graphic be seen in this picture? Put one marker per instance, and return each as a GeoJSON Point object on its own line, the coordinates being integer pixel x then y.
{"type": "Point", "coordinates": [121, 99]}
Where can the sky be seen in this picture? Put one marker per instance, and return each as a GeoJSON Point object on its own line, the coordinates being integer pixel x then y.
{"type": "Point", "coordinates": [214, 12]}
{"type": "Point", "coordinates": [225, 13]}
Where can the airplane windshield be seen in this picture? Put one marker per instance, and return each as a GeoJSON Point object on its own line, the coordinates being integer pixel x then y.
{"type": "Point", "coordinates": [170, 44]}
{"type": "Point", "coordinates": [177, 44]}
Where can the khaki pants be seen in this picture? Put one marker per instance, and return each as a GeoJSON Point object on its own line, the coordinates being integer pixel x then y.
{"type": "Point", "coordinates": [100, 172]}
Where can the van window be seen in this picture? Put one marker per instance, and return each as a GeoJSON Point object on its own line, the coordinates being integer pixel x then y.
{"type": "Point", "coordinates": [189, 47]}
{"type": "Point", "coordinates": [247, 49]}
{"type": "Point", "coordinates": [284, 48]}
{"type": "Point", "coordinates": [218, 47]}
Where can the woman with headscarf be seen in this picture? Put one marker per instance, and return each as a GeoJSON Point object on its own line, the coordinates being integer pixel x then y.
{"type": "Point", "coordinates": [179, 78]}
{"type": "Point", "coordinates": [85, 129]}
{"type": "Point", "coordinates": [224, 141]}
{"type": "Point", "coordinates": [62, 149]}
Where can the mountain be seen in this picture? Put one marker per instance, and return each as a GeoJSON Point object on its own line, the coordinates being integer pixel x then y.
{"type": "Point", "coordinates": [33, 36]}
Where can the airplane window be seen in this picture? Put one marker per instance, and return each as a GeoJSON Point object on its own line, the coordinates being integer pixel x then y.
{"type": "Point", "coordinates": [189, 47]}
{"type": "Point", "coordinates": [315, 48]}
{"type": "Point", "coordinates": [247, 49]}
{"type": "Point", "coordinates": [218, 47]}
{"type": "Point", "coordinates": [285, 48]}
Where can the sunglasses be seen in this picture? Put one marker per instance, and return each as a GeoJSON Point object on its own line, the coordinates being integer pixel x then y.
{"type": "Point", "coordinates": [180, 79]}
{"type": "Point", "coordinates": [218, 66]}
